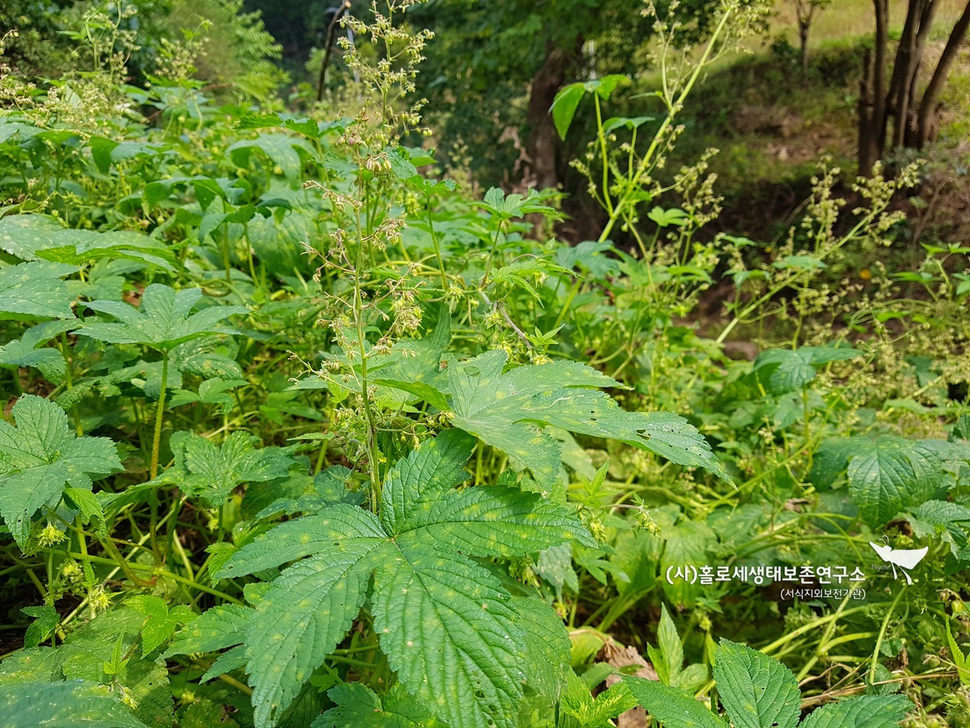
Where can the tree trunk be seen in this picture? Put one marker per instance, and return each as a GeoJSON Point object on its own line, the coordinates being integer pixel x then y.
{"type": "Point", "coordinates": [543, 140]}
{"type": "Point", "coordinates": [804, 25]}
{"type": "Point", "coordinates": [872, 97]}
{"type": "Point", "coordinates": [901, 104]}
{"type": "Point", "coordinates": [916, 120]}
{"type": "Point", "coordinates": [927, 121]}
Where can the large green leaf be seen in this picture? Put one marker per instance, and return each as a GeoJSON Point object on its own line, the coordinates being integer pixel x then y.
{"type": "Point", "coordinates": [163, 321]}
{"type": "Point", "coordinates": [300, 620]}
{"type": "Point", "coordinates": [35, 290]}
{"type": "Point", "coordinates": [506, 409]}
{"type": "Point", "coordinates": [435, 465]}
{"type": "Point", "coordinates": [546, 646]}
{"type": "Point", "coordinates": [23, 235]}
{"type": "Point", "coordinates": [449, 631]}
{"type": "Point", "coordinates": [672, 707]}
{"type": "Point", "coordinates": [218, 628]}
{"type": "Point", "coordinates": [755, 690]}
{"type": "Point", "coordinates": [280, 148]}
{"type": "Point", "coordinates": [67, 704]}
{"type": "Point", "coordinates": [865, 711]}
{"type": "Point", "coordinates": [30, 237]}
{"type": "Point", "coordinates": [40, 457]}
{"type": "Point", "coordinates": [885, 475]}
{"type": "Point", "coordinates": [448, 627]}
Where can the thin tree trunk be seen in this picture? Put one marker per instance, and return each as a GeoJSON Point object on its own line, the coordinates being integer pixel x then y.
{"type": "Point", "coordinates": [543, 141]}
{"type": "Point", "coordinates": [903, 89]}
{"type": "Point", "coordinates": [927, 117]}
{"type": "Point", "coordinates": [902, 76]}
{"type": "Point", "coordinates": [804, 25]}
{"type": "Point", "coordinates": [872, 96]}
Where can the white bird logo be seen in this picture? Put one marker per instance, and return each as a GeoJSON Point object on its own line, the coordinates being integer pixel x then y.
{"type": "Point", "coordinates": [903, 558]}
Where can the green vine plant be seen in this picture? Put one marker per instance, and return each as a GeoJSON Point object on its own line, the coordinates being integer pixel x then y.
{"type": "Point", "coordinates": [300, 436]}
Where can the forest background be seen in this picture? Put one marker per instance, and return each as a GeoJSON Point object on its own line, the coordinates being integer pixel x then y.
{"type": "Point", "coordinates": [457, 363]}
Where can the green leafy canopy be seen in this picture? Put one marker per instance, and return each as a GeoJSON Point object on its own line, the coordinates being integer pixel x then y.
{"type": "Point", "coordinates": [449, 628]}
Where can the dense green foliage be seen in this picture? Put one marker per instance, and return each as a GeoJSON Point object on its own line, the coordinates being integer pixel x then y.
{"type": "Point", "coordinates": [300, 434]}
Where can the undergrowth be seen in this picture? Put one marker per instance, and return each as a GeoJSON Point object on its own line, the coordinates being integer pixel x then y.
{"type": "Point", "coordinates": [299, 434]}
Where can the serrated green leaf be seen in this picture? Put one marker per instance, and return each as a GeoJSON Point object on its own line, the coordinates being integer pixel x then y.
{"type": "Point", "coordinates": [503, 410]}
{"type": "Point", "coordinates": [788, 370]}
{"type": "Point", "coordinates": [304, 536]}
{"type": "Point", "coordinates": [449, 632]}
{"type": "Point", "coordinates": [77, 247]}
{"type": "Point", "coordinates": [671, 648]}
{"type": "Point", "coordinates": [46, 620]}
{"type": "Point", "coordinates": [30, 350]}
{"type": "Point", "coordinates": [864, 711]}
{"type": "Point", "coordinates": [597, 712]}
{"type": "Point", "coordinates": [69, 704]}
{"type": "Point", "coordinates": [35, 290]}
{"type": "Point", "coordinates": [161, 621]}
{"type": "Point", "coordinates": [86, 502]}
{"type": "Point", "coordinates": [23, 235]}
{"type": "Point", "coordinates": [303, 616]}
{"type": "Point", "coordinates": [210, 472]}
{"type": "Point", "coordinates": [505, 207]}
{"type": "Point", "coordinates": [359, 707]}
{"type": "Point", "coordinates": [672, 707]}
{"type": "Point", "coordinates": [492, 521]}
{"type": "Point", "coordinates": [40, 457]}
{"type": "Point", "coordinates": [832, 458]}
{"type": "Point", "coordinates": [890, 474]}
{"type": "Point", "coordinates": [755, 690]}
{"type": "Point", "coordinates": [434, 466]}
{"type": "Point", "coordinates": [280, 148]}
{"type": "Point", "coordinates": [163, 321]}
{"type": "Point", "coordinates": [547, 646]}
{"type": "Point", "coordinates": [32, 664]}
{"type": "Point", "coordinates": [216, 629]}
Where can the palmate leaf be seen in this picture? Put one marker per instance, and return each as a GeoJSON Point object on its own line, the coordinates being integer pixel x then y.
{"type": "Point", "coordinates": [162, 322]}
{"type": "Point", "coordinates": [505, 410]}
{"type": "Point", "coordinates": [40, 457]}
{"type": "Point", "coordinates": [447, 625]}
{"type": "Point", "coordinates": [66, 704]}
{"type": "Point", "coordinates": [756, 691]}
{"type": "Point", "coordinates": [209, 471]}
